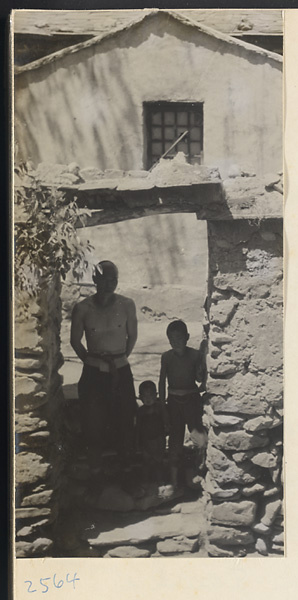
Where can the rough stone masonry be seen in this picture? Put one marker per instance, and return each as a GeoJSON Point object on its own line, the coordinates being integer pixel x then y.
{"type": "Point", "coordinates": [38, 392]}
{"type": "Point", "coordinates": [243, 409]}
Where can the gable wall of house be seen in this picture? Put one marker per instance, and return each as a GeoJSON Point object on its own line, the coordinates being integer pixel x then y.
{"type": "Point", "coordinates": [87, 107]}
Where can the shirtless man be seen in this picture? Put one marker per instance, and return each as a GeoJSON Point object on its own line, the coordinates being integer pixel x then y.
{"type": "Point", "coordinates": [106, 390]}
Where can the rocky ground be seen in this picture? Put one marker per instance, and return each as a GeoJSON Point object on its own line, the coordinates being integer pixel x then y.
{"type": "Point", "coordinates": [116, 511]}
{"type": "Point", "coordinates": [122, 518]}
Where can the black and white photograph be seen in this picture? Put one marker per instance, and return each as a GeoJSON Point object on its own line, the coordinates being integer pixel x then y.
{"type": "Point", "coordinates": [148, 283]}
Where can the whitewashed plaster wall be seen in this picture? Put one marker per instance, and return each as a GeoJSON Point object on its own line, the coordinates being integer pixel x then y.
{"type": "Point", "coordinates": [87, 106]}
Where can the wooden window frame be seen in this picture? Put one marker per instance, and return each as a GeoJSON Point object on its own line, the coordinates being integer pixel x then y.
{"type": "Point", "coordinates": [176, 108]}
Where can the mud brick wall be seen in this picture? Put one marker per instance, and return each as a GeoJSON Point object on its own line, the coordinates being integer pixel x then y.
{"type": "Point", "coordinates": [39, 452]}
{"type": "Point", "coordinates": [244, 409]}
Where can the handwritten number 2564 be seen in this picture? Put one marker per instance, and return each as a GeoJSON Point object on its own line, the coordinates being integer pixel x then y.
{"type": "Point", "coordinates": [56, 582]}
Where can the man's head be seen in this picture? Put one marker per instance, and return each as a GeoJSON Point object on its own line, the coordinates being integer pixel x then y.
{"type": "Point", "coordinates": [147, 392]}
{"type": "Point", "coordinates": [178, 336]}
{"type": "Point", "coordinates": [105, 277]}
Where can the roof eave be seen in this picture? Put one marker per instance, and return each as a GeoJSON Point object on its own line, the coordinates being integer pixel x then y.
{"type": "Point", "coordinates": [185, 20]}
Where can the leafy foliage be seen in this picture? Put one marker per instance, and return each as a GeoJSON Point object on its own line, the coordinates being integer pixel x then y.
{"type": "Point", "coordinates": [46, 240]}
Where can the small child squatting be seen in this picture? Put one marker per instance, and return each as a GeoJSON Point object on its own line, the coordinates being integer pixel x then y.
{"type": "Point", "coordinates": [181, 367]}
{"type": "Point", "coordinates": [151, 439]}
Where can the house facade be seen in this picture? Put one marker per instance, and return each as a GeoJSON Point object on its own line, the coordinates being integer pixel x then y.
{"type": "Point", "coordinates": [118, 101]}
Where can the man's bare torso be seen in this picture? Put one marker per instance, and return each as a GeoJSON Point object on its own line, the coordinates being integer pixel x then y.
{"type": "Point", "coordinates": [105, 329]}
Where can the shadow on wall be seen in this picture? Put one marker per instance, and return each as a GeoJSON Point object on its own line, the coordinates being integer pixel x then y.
{"type": "Point", "coordinates": [156, 250]}
{"type": "Point", "coordinates": [109, 137]}
{"type": "Point", "coordinates": [87, 106]}
{"type": "Point", "coordinates": [123, 121]}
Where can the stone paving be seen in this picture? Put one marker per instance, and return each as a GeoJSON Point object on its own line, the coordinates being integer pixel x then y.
{"type": "Point", "coordinates": [119, 528]}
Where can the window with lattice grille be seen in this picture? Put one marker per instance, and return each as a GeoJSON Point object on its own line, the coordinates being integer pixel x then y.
{"type": "Point", "coordinates": [166, 122]}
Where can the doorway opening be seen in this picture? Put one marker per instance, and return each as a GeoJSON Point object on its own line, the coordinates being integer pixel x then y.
{"type": "Point", "coordinates": [162, 262]}
{"type": "Point", "coordinates": [163, 267]}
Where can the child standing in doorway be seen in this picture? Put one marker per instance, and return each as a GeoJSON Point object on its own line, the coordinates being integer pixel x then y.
{"type": "Point", "coordinates": [181, 368]}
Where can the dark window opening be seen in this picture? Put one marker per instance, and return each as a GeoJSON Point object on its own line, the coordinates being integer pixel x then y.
{"type": "Point", "coordinates": [166, 122]}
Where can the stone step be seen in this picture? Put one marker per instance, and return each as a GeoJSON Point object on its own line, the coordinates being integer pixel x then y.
{"type": "Point", "coordinates": [147, 529]}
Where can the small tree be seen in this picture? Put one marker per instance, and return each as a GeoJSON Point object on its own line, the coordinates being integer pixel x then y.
{"type": "Point", "coordinates": [46, 240]}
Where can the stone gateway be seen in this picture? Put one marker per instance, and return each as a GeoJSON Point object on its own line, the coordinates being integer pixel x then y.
{"type": "Point", "coordinates": [93, 118]}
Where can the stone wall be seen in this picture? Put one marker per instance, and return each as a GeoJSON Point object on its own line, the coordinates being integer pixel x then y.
{"type": "Point", "coordinates": [244, 402]}
{"type": "Point", "coordinates": [38, 392]}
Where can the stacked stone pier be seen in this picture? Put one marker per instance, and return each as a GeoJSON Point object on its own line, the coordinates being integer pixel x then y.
{"type": "Point", "coordinates": [38, 401]}
{"type": "Point", "coordinates": [244, 402]}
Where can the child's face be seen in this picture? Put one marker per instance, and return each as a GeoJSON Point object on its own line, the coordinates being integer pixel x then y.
{"type": "Point", "coordinates": [148, 397]}
{"type": "Point", "coordinates": [178, 341]}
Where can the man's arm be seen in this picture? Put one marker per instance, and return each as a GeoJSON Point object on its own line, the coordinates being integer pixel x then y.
{"type": "Point", "coordinates": [162, 380]}
{"type": "Point", "coordinates": [201, 370]}
{"type": "Point", "coordinates": [162, 391]}
{"type": "Point", "coordinates": [77, 331]}
{"type": "Point", "coordinates": [138, 431]}
{"type": "Point", "coordinates": [131, 327]}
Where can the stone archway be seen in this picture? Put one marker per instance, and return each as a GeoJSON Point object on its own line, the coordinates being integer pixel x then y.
{"type": "Point", "coordinates": [244, 394]}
